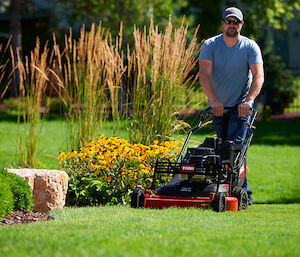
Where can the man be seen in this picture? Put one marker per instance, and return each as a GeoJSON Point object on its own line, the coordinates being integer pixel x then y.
{"type": "Point", "coordinates": [231, 75]}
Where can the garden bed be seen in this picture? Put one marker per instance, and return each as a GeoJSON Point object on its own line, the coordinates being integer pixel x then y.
{"type": "Point", "coordinates": [20, 217]}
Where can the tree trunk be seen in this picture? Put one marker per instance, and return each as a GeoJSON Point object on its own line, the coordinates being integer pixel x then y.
{"type": "Point", "coordinates": [16, 42]}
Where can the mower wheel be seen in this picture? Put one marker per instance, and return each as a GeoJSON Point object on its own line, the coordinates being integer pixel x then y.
{"type": "Point", "coordinates": [219, 204]}
{"type": "Point", "coordinates": [137, 198]}
{"type": "Point", "coordinates": [242, 196]}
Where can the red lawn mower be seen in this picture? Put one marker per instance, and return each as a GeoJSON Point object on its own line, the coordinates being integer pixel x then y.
{"type": "Point", "coordinates": [208, 176]}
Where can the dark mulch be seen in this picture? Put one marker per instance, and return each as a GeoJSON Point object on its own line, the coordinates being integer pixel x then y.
{"type": "Point", "coordinates": [20, 217]}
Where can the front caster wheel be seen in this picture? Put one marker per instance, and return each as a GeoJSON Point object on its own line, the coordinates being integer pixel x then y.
{"type": "Point", "coordinates": [137, 198]}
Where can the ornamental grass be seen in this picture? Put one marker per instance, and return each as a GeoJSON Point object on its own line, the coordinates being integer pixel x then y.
{"type": "Point", "coordinates": [161, 70]}
{"type": "Point", "coordinates": [89, 72]}
{"type": "Point", "coordinates": [33, 77]}
{"type": "Point", "coordinates": [107, 169]}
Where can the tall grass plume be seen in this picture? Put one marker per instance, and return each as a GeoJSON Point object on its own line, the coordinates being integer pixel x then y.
{"type": "Point", "coordinates": [33, 77]}
{"type": "Point", "coordinates": [160, 66]}
{"type": "Point", "coordinates": [89, 72]}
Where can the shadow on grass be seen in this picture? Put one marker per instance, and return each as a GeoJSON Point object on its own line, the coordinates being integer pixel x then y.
{"type": "Point", "coordinates": [13, 117]}
{"type": "Point", "coordinates": [277, 133]}
{"type": "Point", "coordinates": [6, 116]}
{"type": "Point", "coordinates": [287, 196]}
{"type": "Point", "coordinates": [281, 201]}
{"type": "Point", "coordinates": [273, 132]}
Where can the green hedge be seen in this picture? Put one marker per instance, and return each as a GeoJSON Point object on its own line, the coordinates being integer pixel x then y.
{"type": "Point", "coordinates": [6, 198]}
{"type": "Point", "coordinates": [15, 194]}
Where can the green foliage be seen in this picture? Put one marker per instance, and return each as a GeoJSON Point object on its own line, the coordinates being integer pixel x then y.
{"type": "Point", "coordinates": [22, 195]}
{"type": "Point", "coordinates": [207, 13]}
{"type": "Point", "coordinates": [274, 14]}
{"type": "Point", "coordinates": [6, 197]}
{"type": "Point", "coordinates": [85, 190]}
{"type": "Point", "coordinates": [295, 106]}
{"type": "Point", "coordinates": [279, 87]}
{"type": "Point", "coordinates": [260, 14]}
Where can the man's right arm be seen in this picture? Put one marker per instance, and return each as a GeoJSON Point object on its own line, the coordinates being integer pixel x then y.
{"type": "Point", "coordinates": [205, 71]}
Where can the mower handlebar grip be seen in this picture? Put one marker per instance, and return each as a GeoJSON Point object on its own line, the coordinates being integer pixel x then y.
{"type": "Point", "coordinates": [209, 110]}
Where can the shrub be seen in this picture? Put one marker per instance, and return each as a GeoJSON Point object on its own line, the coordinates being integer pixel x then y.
{"type": "Point", "coordinates": [22, 196]}
{"type": "Point", "coordinates": [6, 197]}
{"type": "Point", "coordinates": [279, 87]}
{"type": "Point", "coordinates": [107, 169]}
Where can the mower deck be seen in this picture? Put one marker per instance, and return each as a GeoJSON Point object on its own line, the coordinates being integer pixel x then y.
{"type": "Point", "coordinates": [161, 201]}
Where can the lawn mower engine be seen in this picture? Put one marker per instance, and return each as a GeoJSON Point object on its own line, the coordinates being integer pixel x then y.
{"type": "Point", "coordinates": [208, 176]}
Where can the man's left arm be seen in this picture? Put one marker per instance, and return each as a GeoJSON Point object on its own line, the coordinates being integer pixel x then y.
{"type": "Point", "coordinates": [257, 71]}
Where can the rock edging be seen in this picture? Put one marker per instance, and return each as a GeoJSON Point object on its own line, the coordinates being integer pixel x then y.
{"type": "Point", "coordinates": [49, 187]}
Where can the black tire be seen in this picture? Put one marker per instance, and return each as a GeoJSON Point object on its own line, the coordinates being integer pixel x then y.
{"type": "Point", "coordinates": [137, 198]}
{"type": "Point", "coordinates": [242, 196]}
{"type": "Point", "coordinates": [219, 204]}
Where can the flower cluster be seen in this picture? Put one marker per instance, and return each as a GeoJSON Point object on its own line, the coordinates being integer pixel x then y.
{"type": "Point", "coordinates": [121, 165]}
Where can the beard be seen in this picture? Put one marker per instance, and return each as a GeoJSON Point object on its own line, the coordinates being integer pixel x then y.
{"type": "Point", "coordinates": [231, 32]}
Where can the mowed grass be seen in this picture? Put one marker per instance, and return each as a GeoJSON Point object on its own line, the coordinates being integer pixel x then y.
{"type": "Point", "coordinates": [262, 230]}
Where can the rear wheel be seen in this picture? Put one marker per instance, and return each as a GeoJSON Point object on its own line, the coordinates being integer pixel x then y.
{"type": "Point", "coordinates": [242, 196]}
{"type": "Point", "coordinates": [137, 198]}
{"type": "Point", "coordinates": [219, 204]}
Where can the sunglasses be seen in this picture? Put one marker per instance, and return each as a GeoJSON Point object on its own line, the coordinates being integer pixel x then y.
{"type": "Point", "coordinates": [234, 22]}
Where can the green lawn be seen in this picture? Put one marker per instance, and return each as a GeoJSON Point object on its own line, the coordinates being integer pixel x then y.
{"type": "Point", "coordinates": [262, 230]}
{"type": "Point", "coordinates": [53, 139]}
{"type": "Point", "coordinates": [273, 158]}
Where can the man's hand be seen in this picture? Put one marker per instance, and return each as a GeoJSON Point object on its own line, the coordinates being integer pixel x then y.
{"type": "Point", "coordinates": [218, 108]}
{"type": "Point", "coordinates": [243, 108]}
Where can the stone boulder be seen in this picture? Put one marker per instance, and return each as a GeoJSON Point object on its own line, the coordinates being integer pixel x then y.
{"type": "Point", "coordinates": [49, 187]}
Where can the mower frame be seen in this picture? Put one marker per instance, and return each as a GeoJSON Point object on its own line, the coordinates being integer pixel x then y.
{"type": "Point", "coordinates": [219, 163]}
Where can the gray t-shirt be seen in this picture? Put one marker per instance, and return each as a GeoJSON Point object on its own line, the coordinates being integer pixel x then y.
{"type": "Point", "coordinates": [231, 77]}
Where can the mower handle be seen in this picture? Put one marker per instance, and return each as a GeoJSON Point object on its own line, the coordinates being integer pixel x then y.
{"type": "Point", "coordinates": [205, 113]}
{"type": "Point", "coordinates": [209, 110]}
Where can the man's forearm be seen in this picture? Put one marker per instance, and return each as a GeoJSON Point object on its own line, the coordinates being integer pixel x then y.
{"type": "Point", "coordinates": [207, 87]}
{"type": "Point", "coordinates": [255, 87]}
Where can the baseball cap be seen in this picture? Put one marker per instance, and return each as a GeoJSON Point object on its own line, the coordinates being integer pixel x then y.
{"type": "Point", "coordinates": [233, 11]}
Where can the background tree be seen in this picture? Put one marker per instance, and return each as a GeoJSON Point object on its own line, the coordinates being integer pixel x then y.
{"type": "Point", "coordinates": [259, 15]}
{"type": "Point", "coordinates": [129, 12]}
{"type": "Point", "coordinates": [21, 21]}
{"type": "Point", "coordinates": [15, 29]}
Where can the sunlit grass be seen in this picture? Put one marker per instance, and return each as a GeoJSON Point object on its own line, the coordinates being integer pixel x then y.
{"type": "Point", "coordinates": [262, 230]}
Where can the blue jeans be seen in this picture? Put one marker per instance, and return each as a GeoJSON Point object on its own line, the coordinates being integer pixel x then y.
{"type": "Point", "coordinates": [234, 128]}
{"type": "Point", "coordinates": [231, 126]}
